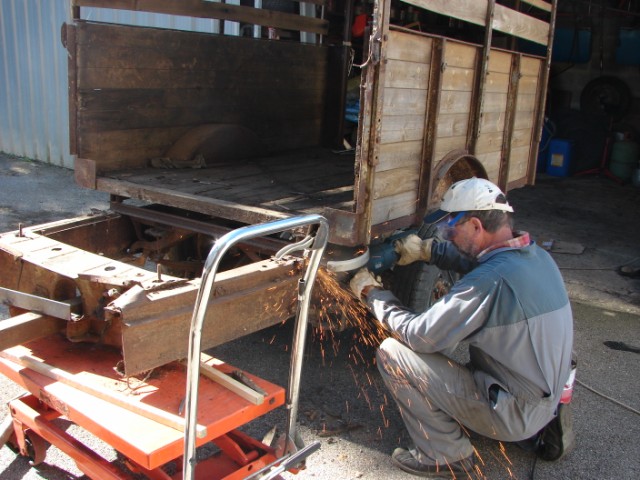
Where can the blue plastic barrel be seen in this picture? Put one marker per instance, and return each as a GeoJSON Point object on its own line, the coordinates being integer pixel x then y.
{"type": "Point", "coordinates": [559, 157]}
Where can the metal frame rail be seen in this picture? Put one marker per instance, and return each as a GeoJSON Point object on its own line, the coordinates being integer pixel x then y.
{"type": "Point", "coordinates": [313, 245]}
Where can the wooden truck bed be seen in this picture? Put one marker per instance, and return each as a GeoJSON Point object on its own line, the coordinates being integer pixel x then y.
{"type": "Point", "coordinates": [435, 105]}
{"type": "Point", "coordinates": [320, 179]}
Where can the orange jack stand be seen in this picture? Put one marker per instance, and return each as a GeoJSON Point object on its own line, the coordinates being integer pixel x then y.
{"type": "Point", "coordinates": [147, 447]}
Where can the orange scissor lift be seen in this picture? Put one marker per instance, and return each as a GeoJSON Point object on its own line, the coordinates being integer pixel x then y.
{"type": "Point", "coordinates": [144, 422]}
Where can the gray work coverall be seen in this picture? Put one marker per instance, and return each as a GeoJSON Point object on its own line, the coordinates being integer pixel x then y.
{"type": "Point", "coordinates": [513, 310]}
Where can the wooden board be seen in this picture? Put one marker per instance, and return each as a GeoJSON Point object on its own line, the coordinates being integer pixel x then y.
{"type": "Point", "coordinates": [221, 11]}
{"type": "Point", "coordinates": [505, 19]}
{"type": "Point", "coordinates": [156, 323]}
{"type": "Point", "coordinates": [254, 190]}
{"type": "Point", "coordinates": [135, 99]}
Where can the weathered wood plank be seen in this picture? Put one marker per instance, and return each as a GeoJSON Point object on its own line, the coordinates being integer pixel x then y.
{"type": "Point", "coordinates": [455, 102]}
{"type": "Point", "coordinates": [398, 128]}
{"type": "Point", "coordinates": [452, 125]}
{"type": "Point", "coordinates": [390, 208]}
{"type": "Point", "coordinates": [459, 79]}
{"type": "Point", "coordinates": [210, 91]}
{"type": "Point", "coordinates": [489, 142]}
{"type": "Point", "coordinates": [221, 11]}
{"type": "Point", "coordinates": [496, 82]}
{"type": "Point", "coordinates": [530, 66]}
{"type": "Point", "coordinates": [528, 85]}
{"type": "Point", "coordinates": [404, 101]}
{"type": "Point", "coordinates": [491, 163]}
{"type": "Point", "coordinates": [518, 163]}
{"type": "Point", "coordinates": [492, 122]}
{"type": "Point", "coordinates": [460, 55]}
{"type": "Point", "coordinates": [156, 323]}
{"type": "Point", "coordinates": [494, 102]}
{"type": "Point", "coordinates": [492, 142]}
{"type": "Point", "coordinates": [505, 19]}
{"type": "Point", "coordinates": [446, 144]}
{"type": "Point", "coordinates": [26, 327]}
{"type": "Point", "coordinates": [401, 74]}
{"type": "Point", "coordinates": [408, 47]}
{"type": "Point", "coordinates": [393, 182]}
{"type": "Point", "coordinates": [399, 155]}
{"type": "Point", "coordinates": [542, 5]}
{"type": "Point", "coordinates": [499, 62]}
{"type": "Point", "coordinates": [526, 103]}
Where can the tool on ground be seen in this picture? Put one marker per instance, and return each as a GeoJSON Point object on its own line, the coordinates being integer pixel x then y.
{"type": "Point", "coordinates": [281, 465]}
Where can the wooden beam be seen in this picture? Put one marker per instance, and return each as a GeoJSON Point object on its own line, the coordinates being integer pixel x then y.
{"type": "Point", "coordinates": [129, 403]}
{"type": "Point", "coordinates": [219, 11]}
{"type": "Point", "coordinates": [155, 323]}
{"type": "Point", "coordinates": [505, 20]}
{"type": "Point", "coordinates": [26, 327]}
{"type": "Point", "coordinates": [198, 203]}
{"type": "Point", "coordinates": [542, 5]}
{"type": "Point", "coordinates": [481, 81]}
{"type": "Point", "coordinates": [226, 381]}
{"type": "Point", "coordinates": [541, 100]}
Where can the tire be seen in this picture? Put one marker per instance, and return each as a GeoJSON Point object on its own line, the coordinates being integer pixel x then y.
{"type": "Point", "coordinates": [419, 285]}
{"type": "Point", "coordinates": [606, 95]}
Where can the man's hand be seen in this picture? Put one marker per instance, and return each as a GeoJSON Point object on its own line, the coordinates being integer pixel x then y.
{"type": "Point", "coordinates": [412, 248]}
{"type": "Point", "coordinates": [361, 280]}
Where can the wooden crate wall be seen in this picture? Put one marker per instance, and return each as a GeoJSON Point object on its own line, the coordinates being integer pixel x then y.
{"type": "Point", "coordinates": [139, 89]}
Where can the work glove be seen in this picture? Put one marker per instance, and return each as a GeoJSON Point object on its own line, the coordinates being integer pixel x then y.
{"type": "Point", "coordinates": [364, 278]}
{"type": "Point", "coordinates": [412, 248]}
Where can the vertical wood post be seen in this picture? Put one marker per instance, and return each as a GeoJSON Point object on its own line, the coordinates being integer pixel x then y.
{"type": "Point", "coordinates": [478, 99]}
{"type": "Point", "coordinates": [542, 98]}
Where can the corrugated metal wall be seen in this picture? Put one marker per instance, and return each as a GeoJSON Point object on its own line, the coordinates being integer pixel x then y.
{"type": "Point", "coordinates": [34, 119]}
{"type": "Point", "coordinates": [33, 72]}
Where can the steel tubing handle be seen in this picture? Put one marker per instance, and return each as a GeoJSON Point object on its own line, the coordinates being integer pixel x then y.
{"type": "Point", "coordinates": [222, 245]}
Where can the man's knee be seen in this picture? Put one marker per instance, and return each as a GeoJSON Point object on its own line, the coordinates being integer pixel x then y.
{"type": "Point", "coordinates": [389, 356]}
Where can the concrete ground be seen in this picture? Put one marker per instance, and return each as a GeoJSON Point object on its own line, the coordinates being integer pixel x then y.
{"type": "Point", "coordinates": [594, 225]}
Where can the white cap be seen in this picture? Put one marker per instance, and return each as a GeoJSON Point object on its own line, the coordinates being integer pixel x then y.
{"type": "Point", "coordinates": [470, 194]}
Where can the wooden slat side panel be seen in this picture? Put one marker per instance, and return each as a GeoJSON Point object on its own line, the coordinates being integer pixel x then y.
{"type": "Point", "coordinates": [505, 19]}
{"type": "Point", "coordinates": [454, 109]}
{"type": "Point", "coordinates": [145, 96]}
{"type": "Point", "coordinates": [402, 129]}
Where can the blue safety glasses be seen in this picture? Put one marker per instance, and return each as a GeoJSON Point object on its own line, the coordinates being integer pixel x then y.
{"type": "Point", "coordinates": [446, 226]}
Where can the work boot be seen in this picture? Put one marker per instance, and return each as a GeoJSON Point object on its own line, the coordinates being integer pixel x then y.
{"type": "Point", "coordinates": [557, 438]}
{"type": "Point", "coordinates": [404, 460]}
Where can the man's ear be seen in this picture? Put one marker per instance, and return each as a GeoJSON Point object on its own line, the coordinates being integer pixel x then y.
{"type": "Point", "coordinates": [477, 224]}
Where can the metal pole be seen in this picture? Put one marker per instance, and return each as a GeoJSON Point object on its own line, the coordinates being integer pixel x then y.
{"type": "Point", "coordinates": [204, 293]}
